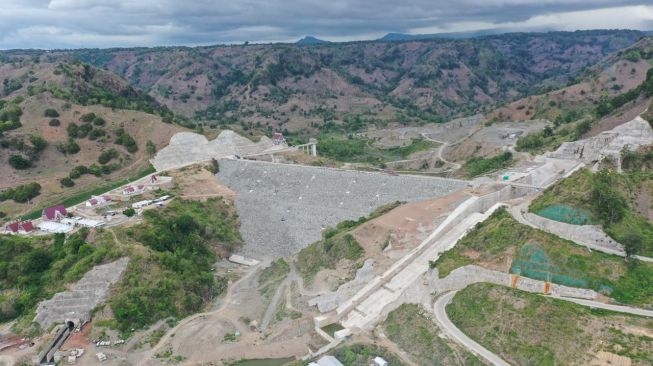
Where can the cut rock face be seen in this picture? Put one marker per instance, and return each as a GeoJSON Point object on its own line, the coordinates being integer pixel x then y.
{"type": "Point", "coordinates": [187, 148]}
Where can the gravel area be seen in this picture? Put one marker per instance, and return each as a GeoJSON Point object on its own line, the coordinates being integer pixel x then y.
{"type": "Point", "coordinates": [283, 208]}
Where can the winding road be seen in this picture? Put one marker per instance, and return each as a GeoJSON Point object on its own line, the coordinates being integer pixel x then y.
{"type": "Point", "coordinates": [450, 329]}
{"type": "Point", "coordinates": [439, 310]}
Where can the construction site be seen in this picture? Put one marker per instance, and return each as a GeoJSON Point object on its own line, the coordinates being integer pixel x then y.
{"type": "Point", "coordinates": [286, 208]}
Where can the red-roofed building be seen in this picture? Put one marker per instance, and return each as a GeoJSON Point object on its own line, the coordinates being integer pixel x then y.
{"type": "Point", "coordinates": [133, 190]}
{"type": "Point", "coordinates": [55, 213]}
{"type": "Point", "coordinates": [16, 227]}
{"type": "Point", "coordinates": [98, 200]}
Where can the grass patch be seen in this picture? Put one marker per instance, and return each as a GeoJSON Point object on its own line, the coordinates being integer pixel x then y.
{"type": "Point", "coordinates": [500, 240]}
{"type": "Point", "coordinates": [362, 151]}
{"type": "Point", "coordinates": [476, 166]}
{"type": "Point", "coordinates": [409, 327]}
{"type": "Point", "coordinates": [610, 199]}
{"type": "Point", "coordinates": [272, 276]}
{"type": "Point", "coordinates": [529, 329]}
{"type": "Point", "coordinates": [337, 244]}
{"type": "Point", "coordinates": [87, 194]}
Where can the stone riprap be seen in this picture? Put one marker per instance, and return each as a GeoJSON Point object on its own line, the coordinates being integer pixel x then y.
{"type": "Point", "coordinates": [188, 148]}
{"type": "Point", "coordinates": [283, 208]}
{"type": "Point", "coordinates": [83, 296]}
{"type": "Point", "coordinates": [631, 135]}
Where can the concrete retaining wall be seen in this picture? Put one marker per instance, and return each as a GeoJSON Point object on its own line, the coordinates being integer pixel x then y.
{"type": "Point", "coordinates": [462, 277]}
{"type": "Point", "coordinates": [589, 235]}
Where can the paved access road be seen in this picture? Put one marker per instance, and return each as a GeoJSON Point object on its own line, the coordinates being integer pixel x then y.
{"type": "Point", "coordinates": [600, 305]}
{"type": "Point", "coordinates": [453, 332]}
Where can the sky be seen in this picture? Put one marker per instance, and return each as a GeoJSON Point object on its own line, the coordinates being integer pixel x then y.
{"type": "Point", "coordinates": [50, 24]}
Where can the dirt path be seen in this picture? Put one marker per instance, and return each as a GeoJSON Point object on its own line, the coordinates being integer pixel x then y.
{"type": "Point", "coordinates": [445, 144]}
{"type": "Point", "coordinates": [392, 347]}
{"type": "Point", "coordinates": [148, 356]}
{"type": "Point", "coordinates": [272, 307]}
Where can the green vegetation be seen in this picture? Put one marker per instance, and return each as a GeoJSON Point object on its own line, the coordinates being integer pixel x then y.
{"type": "Point", "coordinates": [33, 269]}
{"type": "Point", "coordinates": [19, 162]}
{"type": "Point", "coordinates": [363, 354]}
{"type": "Point", "coordinates": [611, 198]}
{"type": "Point", "coordinates": [10, 113]}
{"type": "Point", "coordinates": [70, 147]}
{"type": "Point", "coordinates": [84, 195]}
{"type": "Point", "coordinates": [409, 327]}
{"type": "Point", "coordinates": [54, 122]}
{"type": "Point", "coordinates": [124, 139]}
{"type": "Point", "coordinates": [22, 193]}
{"type": "Point", "coordinates": [535, 253]}
{"type": "Point", "coordinates": [174, 278]}
{"type": "Point", "coordinates": [326, 253]}
{"type": "Point", "coordinates": [107, 155]}
{"type": "Point", "coordinates": [51, 113]}
{"type": "Point", "coordinates": [129, 212]}
{"type": "Point", "coordinates": [337, 244]}
{"type": "Point", "coordinates": [361, 150]}
{"type": "Point", "coordinates": [529, 329]}
{"type": "Point", "coordinates": [272, 276]}
{"type": "Point", "coordinates": [476, 166]}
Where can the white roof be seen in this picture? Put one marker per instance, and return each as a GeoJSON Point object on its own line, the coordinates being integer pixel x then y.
{"type": "Point", "coordinates": [329, 361]}
{"type": "Point", "coordinates": [70, 220]}
{"type": "Point", "coordinates": [90, 223]}
{"type": "Point", "coordinates": [54, 227]}
{"type": "Point", "coordinates": [380, 361]}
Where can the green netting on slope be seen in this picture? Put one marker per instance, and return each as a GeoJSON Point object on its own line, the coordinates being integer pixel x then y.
{"type": "Point", "coordinates": [567, 214]}
{"type": "Point", "coordinates": [533, 262]}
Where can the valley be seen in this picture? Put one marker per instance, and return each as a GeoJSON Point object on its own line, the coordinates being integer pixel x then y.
{"type": "Point", "coordinates": [428, 201]}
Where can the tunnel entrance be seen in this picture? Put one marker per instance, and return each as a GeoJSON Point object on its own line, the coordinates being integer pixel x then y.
{"type": "Point", "coordinates": [70, 325]}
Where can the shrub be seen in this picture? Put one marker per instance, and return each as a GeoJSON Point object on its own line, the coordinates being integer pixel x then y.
{"type": "Point", "coordinates": [19, 162]}
{"type": "Point", "coordinates": [107, 155]}
{"type": "Point", "coordinates": [96, 133]}
{"type": "Point", "coordinates": [87, 117]}
{"type": "Point", "coordinates": [21, 193]}
{"type": "Point", "coordinates": [51, 113]}
{"type": "Point", "coordinates": [129, 212]}
{"type": "Point", "coordinates": [78, 171]}
{"type": "Point", "coordinates": [67, 182]}
{"type": "Point", "coordinates": [54, 122]}
{"type": "Point", "coordinates": [99, 121]}
{"type": "Point", "coordinates": [124, 139]}
{"type": "Point", "coordinates": [70, 147]}
{"type": "Point", "coordinates": [38, 142]}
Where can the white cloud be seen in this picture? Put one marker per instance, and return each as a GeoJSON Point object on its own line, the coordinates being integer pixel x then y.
{"type": "Point", "coordinates": [108, 23]}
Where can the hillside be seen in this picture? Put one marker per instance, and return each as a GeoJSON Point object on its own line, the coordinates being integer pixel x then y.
{"type": "Point", "coordinates": [58, 118]}
{"type": "Point", "coordinates": [295, 87]}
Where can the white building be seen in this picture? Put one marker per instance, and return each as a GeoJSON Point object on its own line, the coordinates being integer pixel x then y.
{"type": "Point", "coordinates": [329, 361]}
{"type": "Point", "coordinates": [141, 204]}
{"type": "Point", "coordinates": [54, 227]}
{"type": "Point", "coordinates": [379, 361]}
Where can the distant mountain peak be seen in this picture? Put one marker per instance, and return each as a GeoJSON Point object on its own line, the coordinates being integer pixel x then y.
{"type": "Point", "coordinates": [308, 40]}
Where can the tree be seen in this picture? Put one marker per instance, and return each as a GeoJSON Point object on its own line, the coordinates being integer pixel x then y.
{"type": "Point", "coordinates": [609, 202]}
{"type": "Point", "coordinates": [67, 182]}
{"type": "Point", "coordinates": [129, 212]}
{"type": "Point", "coordinates": [632, 244]}
{"type": "Point", "coordinates": [19, 162]}
{"type": "Point", "coordinates": [51, 113]}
